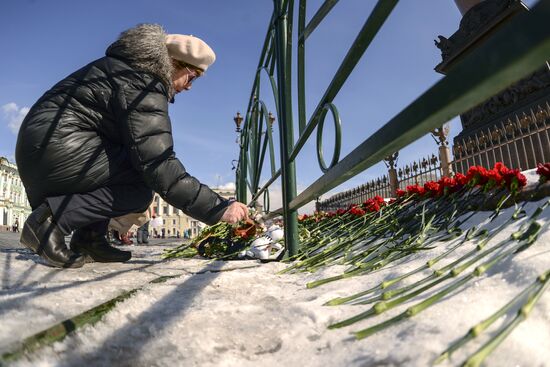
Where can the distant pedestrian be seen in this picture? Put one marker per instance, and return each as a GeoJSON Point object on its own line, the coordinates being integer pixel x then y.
{"type": "Point", "coordinates": [142, 235]}
{"type": "Point", "coordinates": [16, 225]}
{"type": "Point", "coordinates": [99, 142]}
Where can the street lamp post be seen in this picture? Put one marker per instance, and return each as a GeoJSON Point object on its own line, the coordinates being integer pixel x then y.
{"type": "Point", "coordinates": [240, 173]}
{"type": "Point", "coordinates": [238, 121]}
{"type": "Point", "coordinates": [271, 120]}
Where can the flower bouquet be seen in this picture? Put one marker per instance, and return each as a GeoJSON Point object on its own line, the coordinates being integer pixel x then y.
{"type": "Point", "coordinates": [219, 241]}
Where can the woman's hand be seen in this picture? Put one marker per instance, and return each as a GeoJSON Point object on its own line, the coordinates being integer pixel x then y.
{"type": "Point", "coordinates": [236, 211]}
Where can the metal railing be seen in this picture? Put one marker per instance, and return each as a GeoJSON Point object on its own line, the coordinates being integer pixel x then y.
{"type": "Point", "coordinates": [378, 187]}
{"type": "Point", "coordinates": [519, 143]}
{"type": "Point", "coordinates": [519, 48]}
{"type": "Point", "coordinates": [419, 172]}
{"type": "Point", "coordinates": [416, 173]}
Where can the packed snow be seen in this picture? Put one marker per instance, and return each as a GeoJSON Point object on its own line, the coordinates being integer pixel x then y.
{"type": "Point", "coordinates": [248, 315]}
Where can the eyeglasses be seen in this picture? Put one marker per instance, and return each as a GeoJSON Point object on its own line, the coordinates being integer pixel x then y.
{"type": "Point", "coordinates": [193, 74]}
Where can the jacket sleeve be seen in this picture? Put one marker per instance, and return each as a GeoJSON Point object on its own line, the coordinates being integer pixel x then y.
{"type": "Point", "coordinates": [147, 134]}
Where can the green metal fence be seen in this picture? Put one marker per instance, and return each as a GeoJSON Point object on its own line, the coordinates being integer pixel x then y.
{"type": "Point", "coordinates": [518, 49]}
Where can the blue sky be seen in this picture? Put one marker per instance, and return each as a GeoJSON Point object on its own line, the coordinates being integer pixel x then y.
{"type": "Point", "coordinates": [45, 40]}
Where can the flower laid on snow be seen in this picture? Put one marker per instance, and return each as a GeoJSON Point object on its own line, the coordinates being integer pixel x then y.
{"type": "Point", "coordinates": [449, 185]}
{"type": "Point", "coordinates": [415, 189]}
{"type": "Point", "coordinates": [432, 189]}
{"type": "Point", "coordinates": [368, 243]}
{"type": "Point", "coordinates": [477, 175]}
{"type": "Point", "coordinates": [494, 179]}
{"type": "Point", "coordinates": [461, 179]}
{"type": "Point", "coordinates": [514, 180]}
{"type": "Point", "coordinates": [245, 230]}
{"type": "Point", "coordinates": [221, 240]}
{"type": "Point", "coordinates": [543, 170]}
{"type": "Point", "coordinates": [400, 193]}
{"type": "Point", "coordinates": [374, 204]}
{"type": "Point", "coordinates": [357, 211]}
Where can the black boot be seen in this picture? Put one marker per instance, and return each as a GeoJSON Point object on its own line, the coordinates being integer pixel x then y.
{"type": "Point", "coordinates": [97, 247]}
{"type": "Point", "coordinates": [43, 236]}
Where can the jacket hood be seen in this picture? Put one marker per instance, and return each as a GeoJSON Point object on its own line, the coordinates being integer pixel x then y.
{"type": "Point", "coordinates": [144, 48]}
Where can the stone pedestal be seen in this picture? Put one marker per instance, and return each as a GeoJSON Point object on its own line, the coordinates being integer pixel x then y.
{"type": "Point", "coordinates": [465, 5]}
{"type": "Point", "coordinates": [511, 126]}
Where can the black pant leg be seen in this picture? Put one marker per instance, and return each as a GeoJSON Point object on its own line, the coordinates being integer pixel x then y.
{"type": "Point", "coordinates": [97, 207]}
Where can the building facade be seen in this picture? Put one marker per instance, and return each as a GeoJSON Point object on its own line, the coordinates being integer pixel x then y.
{"type": "Point", "coordinates": [175, 223]}
{"type": "Point", "coordinates": [14, 206]}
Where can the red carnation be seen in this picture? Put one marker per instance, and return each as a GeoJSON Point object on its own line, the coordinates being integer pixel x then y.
{"type": "Point", "coordinates": [415, 189]}
{"type": "Point", "coordinates": [432, 188]}
{"type": "Point", "coordinates": [514, 180]}
{"type": "Point", "coordinates": [400, 193]}
{"type": "Point", "coordinates": [357, 211]}
{"type": "Point", "coordinates": [302, 217]}
{"type": "Point", "coordinates": [461, 179]}
{"type": "Point", "coordinates": [543, 170]}
{"type": "Point", "coordinates": [477, 175]}
{"type": "Point", "coordinates": [374, 204]}
{"type": "Point", "coordinates": [500, 168]}
{"type": "Point", "coordinates": [494, 178]}
{"type": "Point", "coordinates": [374, 207]}
{"type": "Point", "coordinates": [448, 185]}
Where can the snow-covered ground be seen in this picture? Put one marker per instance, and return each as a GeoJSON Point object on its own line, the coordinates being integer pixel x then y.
{"type": "Point", "coordinates": [250, 316]}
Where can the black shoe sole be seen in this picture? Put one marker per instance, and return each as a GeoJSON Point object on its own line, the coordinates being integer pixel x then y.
{"type": "Point", "coordinates": [101, 259]}
{"type": "Point", "coordinates": [30, 240]}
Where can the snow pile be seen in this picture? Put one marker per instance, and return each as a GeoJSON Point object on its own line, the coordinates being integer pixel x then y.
{"type": "Point", "coordinates": [251, 316]}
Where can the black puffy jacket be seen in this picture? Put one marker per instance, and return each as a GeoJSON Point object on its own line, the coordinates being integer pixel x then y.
{"type": "Point", "coordinates": [108, 124]}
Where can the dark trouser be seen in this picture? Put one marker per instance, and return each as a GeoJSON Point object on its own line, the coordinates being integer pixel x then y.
{"type": "Point", "coordinates": [143, 233]}
{"type": "Point", "coordinates": [94, 209]}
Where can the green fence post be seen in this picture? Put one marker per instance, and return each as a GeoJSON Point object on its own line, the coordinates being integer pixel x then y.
{"type": "Point", "coordinates": [288, 168]}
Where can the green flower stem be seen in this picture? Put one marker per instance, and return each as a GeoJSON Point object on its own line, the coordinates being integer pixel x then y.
{"type": "Point", "coordinates": [502, 200]}
{"type": "Point", "coordinates": [384, 306]}
{"type": "Point", "coordinates": [479, 356]}
{"type": "Point", "coordinates": [340, 244]}
{"type": "Point", "coordinates": [483, 325]}
{"type": "Point", "coordinates": [349, 250]}
{"type": "Point", "coordinates": [528, 237]}
{"type": "Point", "coordinates": [533, 230]}
{"type": "Point", "coordinates": [412, 311]}
{"type": "Point", "coordinates": [387, 283]}
{"type": "Point", "coordinates": [436, 273]}
{"type": "Point", "coordinates": [425, 228]}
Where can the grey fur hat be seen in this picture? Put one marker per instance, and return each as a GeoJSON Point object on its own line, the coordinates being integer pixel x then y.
{"type": "Point", "coordinates": [144, 48]}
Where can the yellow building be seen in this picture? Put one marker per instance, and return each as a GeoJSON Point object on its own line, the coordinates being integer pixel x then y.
{"type": "Point", "coordinates": [14, 206]}
{"type": "Point", "coordinates": [174, 222]}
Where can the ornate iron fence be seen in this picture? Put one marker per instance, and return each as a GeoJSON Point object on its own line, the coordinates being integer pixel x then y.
{"type": "Point", "coordinates": [519, 143]}
{"type": "Point", "coordinates": [380, 186]}
{"type": "Point", "coordinates": [517, 49]}
{"type": "Point", "coordinates": [418, 172]}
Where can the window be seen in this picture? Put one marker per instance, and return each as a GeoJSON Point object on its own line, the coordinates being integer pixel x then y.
{"type": "Point", "coordinates": [173, 222]}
